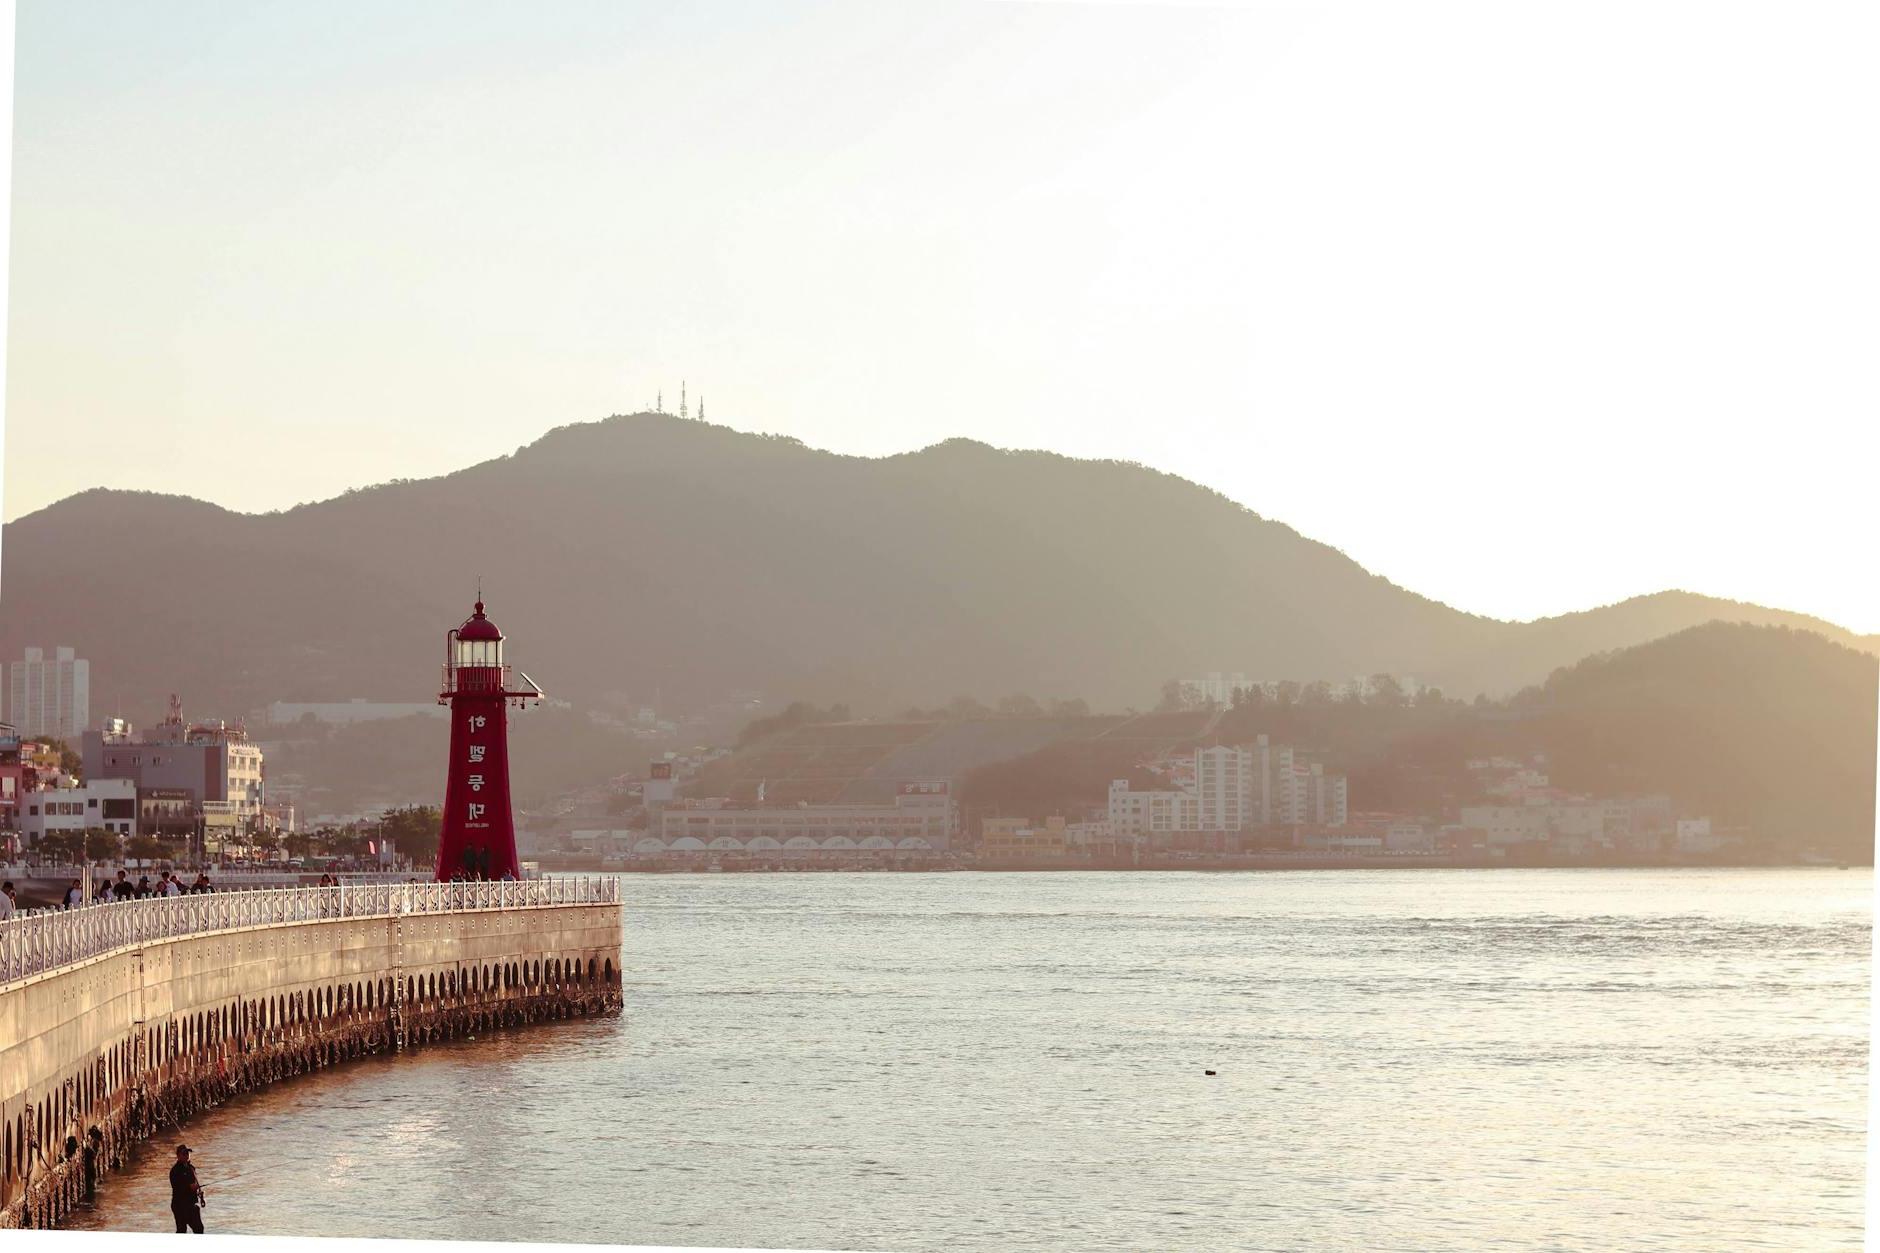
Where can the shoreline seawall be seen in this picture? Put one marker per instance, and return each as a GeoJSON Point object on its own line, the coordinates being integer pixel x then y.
{"type": "Point", "coordinates": [106, 1050]}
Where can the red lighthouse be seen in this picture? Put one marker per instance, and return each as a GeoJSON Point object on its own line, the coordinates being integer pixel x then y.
{"type": "Point", "coordinates": [479, 833]}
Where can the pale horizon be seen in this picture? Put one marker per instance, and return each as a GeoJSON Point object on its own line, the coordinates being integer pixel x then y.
{"type": "Point", "coordinates": [1525, 312]}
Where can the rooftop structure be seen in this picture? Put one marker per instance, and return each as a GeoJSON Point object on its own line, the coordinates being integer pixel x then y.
{"type": "Point", "coordinates": [206, 763]}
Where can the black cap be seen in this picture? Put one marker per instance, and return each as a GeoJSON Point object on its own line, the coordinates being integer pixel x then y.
{"type": "Point", "coordinates": [182, 1148]}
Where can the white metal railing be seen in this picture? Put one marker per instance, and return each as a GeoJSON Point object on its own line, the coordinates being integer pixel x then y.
{"type": "Point", "coordinates": [44, 940]}
{"type": "Point", "coordinates": [221, 873]}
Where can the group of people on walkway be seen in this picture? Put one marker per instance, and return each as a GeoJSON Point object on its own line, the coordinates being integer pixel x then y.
{"type": "Point", "coordinates": [167, 884]}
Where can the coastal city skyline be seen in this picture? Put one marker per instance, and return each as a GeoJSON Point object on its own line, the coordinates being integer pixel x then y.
{"type": "Point", "coordinates": [515, 222]}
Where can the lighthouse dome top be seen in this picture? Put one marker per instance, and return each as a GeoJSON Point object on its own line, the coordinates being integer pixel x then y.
{"type": "Point", "coordinates": [478, 627]}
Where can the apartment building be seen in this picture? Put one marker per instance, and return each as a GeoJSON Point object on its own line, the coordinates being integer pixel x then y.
{"type": "Point", "coordinates": [50, 696]}
{"type": "Point", "coordinates": [1228, 788]}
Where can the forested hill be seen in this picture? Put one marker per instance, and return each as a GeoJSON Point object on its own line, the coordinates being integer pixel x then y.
{"type": "Point", "coordinates": [1767, 728]}
{"type": "Point", "coordinates": [646, 554]}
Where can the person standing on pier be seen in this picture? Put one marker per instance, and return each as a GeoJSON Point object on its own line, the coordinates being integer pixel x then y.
{"type": "Point", "coordinates": [185, 1193]}
{"type": "Point", "coordinates": [6, 900]}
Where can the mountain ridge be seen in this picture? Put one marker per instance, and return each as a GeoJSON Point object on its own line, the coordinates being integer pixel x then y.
{"type": "Point", "coordinates": [650, 554]}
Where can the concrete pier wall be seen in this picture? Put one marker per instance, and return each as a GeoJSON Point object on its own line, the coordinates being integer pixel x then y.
{"type": "Point", "coordinates": [105, 1050]}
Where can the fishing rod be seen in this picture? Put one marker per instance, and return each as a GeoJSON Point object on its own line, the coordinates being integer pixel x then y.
{"type": "Point", "coordinates": [222, 1179]}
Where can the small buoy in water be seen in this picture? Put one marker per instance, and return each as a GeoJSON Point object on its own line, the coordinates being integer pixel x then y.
{"type": "Point", "coordinates": [1207, 1072]}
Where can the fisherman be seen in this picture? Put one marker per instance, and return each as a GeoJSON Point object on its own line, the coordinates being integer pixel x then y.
{"type": "Point", "coordinates": [185, 1193]}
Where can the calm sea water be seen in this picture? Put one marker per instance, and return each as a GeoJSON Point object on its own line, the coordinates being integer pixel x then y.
{"type": "Point", "coordinates": [1414, 1060]}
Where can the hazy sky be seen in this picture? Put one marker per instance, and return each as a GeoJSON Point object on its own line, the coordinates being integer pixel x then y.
{"type": "Point", "coordinates": [1529, 307]}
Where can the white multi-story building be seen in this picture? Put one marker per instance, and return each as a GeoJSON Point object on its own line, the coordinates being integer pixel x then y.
{"type": "Point", "coordinates": [1137, 814]}
{"type": "Point", "coordinates": [660, 787]}
{"type": "Point", "coordinates": [1272, 763]}
{"type": "Point", "coordinates": [1215, 689]}
{"type": "Point", "coordinates": [1232, 788]}
{"type": "Point", "coordinates": [1329, 799]}
{"type": "Point", "coordinates": [1224, 788]}
{"type": "Point", "coordinates": [1304, 795]}
{"type": "Point", "coordinates": [50, 696]}
{"type": "Point", "coordinates": [105, 804]}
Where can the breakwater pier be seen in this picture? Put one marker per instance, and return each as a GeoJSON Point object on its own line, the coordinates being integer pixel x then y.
{"type": "Point", "coordinates": [119, 1020]}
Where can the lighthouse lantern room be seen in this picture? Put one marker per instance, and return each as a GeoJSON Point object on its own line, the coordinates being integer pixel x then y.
{"type": "Point", "coordinates": [478, 839]}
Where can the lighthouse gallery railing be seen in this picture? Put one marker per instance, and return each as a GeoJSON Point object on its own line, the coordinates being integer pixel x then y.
{"type": "Point", "coordinates": [39, 942]}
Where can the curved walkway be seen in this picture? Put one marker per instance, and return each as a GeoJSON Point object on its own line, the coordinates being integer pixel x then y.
{"type": "Point", "coordinates": [119, 1019]}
